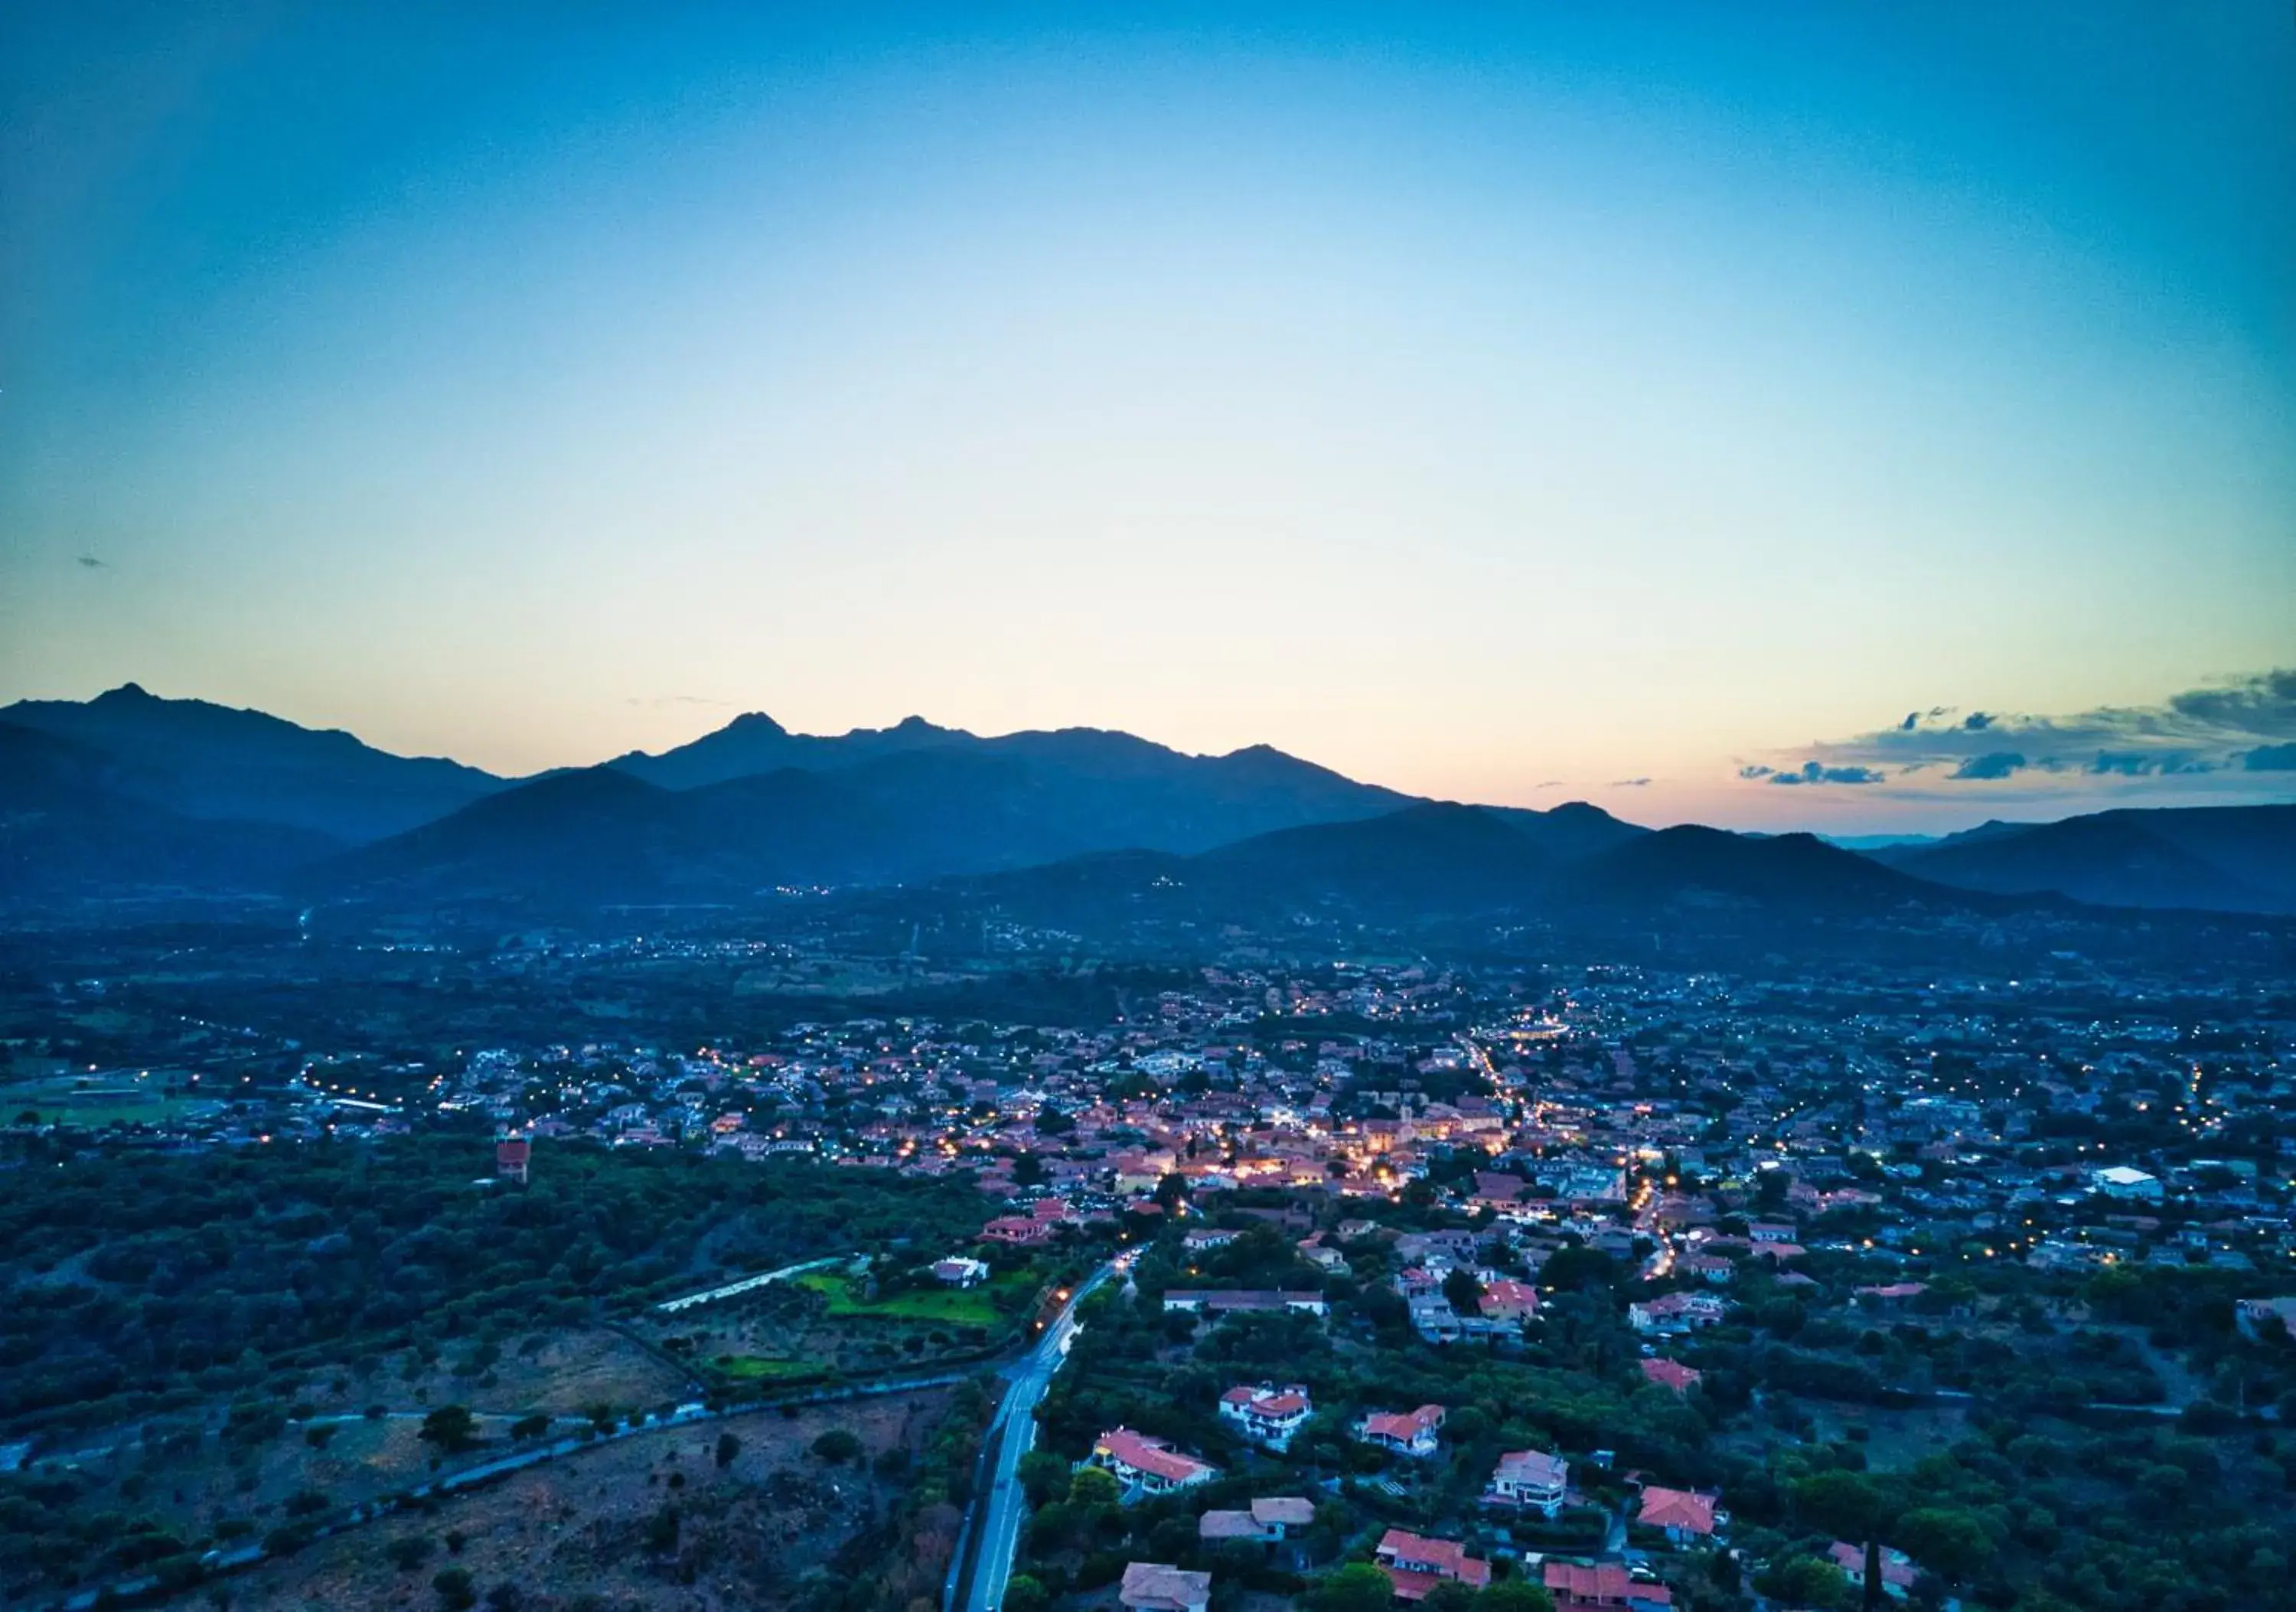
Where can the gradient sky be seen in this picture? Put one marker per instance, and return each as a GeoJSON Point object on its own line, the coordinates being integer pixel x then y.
{"type": "Point", "coordinates": [1507, 407]}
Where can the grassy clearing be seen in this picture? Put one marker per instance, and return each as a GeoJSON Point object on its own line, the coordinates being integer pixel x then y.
{"type": "Point", "coordinates": [949, 1307]}
{"type": "Point", "coordinates": [759, 1367]}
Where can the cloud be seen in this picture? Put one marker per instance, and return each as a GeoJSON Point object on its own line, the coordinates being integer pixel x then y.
{"type": "Point", "coordinates": [2139, 765]}
{"type": "Point", "coordinates": [1629, 783]}
{"type": "Point", "coordinates": [2235, 726]}
{"type": "Point", "coordinates": [677, 699]}
{"type": "Point", "coordinates": [90, 562]}
{"type": "Point", "coordinates": [1810, 772]}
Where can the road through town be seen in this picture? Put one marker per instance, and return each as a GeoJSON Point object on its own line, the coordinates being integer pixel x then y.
{"type": "Point", "coordinates": [1000, 1505]}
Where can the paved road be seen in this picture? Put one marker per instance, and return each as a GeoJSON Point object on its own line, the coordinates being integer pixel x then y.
{"type": "Point", "coordinates": [750, 1284]}
{"type": "Point", "coordinates": [1001, 1507]}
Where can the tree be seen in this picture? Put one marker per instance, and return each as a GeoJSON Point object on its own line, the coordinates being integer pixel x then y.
{"type": "Point", "coordinates": [1807, 1581]}
{"type": "Point", "coordinates": [452, 1428]}
{"type": "Point", "coordinates": [409, 1553]}
{"type": "Point", "coordinates": [1847, 1505]}
{"type": "Point", "coordinates": [1513, 1595]}
{"type": "Point", "coordinates": [1358, 1587]}
{"type": "Point", "coordinates": [1044, 1477]}
{"type": "Point", "coordinates": [1463, 1291]}
{"type": "Point", "coordinates": [1024, 1593]}
{"type": "Point", "coordinates": [1093, 1487]}
{"type": "Point", "coordinates": [1449, 1595]}
{"type": "Point", "coordinates": [1946, 1540]}
{"type": "Point", "coordinates": [837, 1446]}
{"type": "Point", "coordinates": [728, 1447]}
{"type": "Point", "coordinates": [453, 1586]}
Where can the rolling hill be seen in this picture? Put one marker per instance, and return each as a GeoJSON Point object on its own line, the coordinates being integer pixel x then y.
{"type": "Point", "coordinates": [197, 760]}
{"type": "Point", "coordinates": [2222, 859]}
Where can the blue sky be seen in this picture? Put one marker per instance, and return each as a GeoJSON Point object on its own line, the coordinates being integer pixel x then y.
{"type": "Point", "coordinates": [1512, 406]}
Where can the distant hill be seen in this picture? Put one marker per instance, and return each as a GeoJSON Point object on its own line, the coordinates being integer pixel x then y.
{"type": "Point", "coordinates": [128, 792]}
{"type": "Point", "coordinates": [1088, 788]}
{"type": "Point", "coordinates": [1783, 873]}
{"type": "Point", "coordinates": [197, 760]}
{"type": "Point", "coordinates": [895, 817]}
{"type": "Point", "coordinates": [753, 743]}
{"type": "Point", "coordinates": [2224, 859]}
{"type": "Point", "coordinates": [1435, 860]}
{"type": "Point", "coordinates": [67, 830]}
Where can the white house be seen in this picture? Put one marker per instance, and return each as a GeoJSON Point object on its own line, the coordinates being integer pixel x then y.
{"type": "Point", "coordinates": [1145, 1465]}
{"type": "Point", "coordinates": [1530, 1479]}
{"type": "Point", "coordinates": [1267, 1414]}
{"type": "Point", "coordinates": [1406, 1432]}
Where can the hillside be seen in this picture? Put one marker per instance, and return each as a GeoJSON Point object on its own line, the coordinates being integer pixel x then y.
{"type": "Point", "coordinates": [2225, 858]}
{"type": "Point", "coordinates": [194, 759]}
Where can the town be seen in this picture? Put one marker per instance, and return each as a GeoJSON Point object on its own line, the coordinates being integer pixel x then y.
{"type": "Point", "coordinates": [1603, 1287]}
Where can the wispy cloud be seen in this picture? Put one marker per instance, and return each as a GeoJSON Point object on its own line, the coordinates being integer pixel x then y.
{"type": "Point", "coordinates": [88, 561]}
{"type": "Point", "coordinates": [661, 700]}
{"type": "Point", "coordinates": [1630, 783]}
{"type": "Point", "coordinates": [1812, 772]}
{"type": "Point", "coordinates": [2241, 725]}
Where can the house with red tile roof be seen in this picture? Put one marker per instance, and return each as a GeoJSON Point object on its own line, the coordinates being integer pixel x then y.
{"type": "Point", "coordinates": [1672, 1375]}
{"type": "Point", "coordinates": [1416, 1565]}
{"type": "Point", "coordinates": [1584, 1588]}
{"type": "Point", "coordinates": [1145, 1465]}
{"type": "Point", "coordinates": [1405, 1432]}
{"type": "Point", "coordinates": [1267, 1415]}
{"type": "Point", "coordinates": [1018, 1231]}
{"type": "Point", "coordinates": [1897, 1569]}
{"type": "Point", "coordinates": [1682, 1515]}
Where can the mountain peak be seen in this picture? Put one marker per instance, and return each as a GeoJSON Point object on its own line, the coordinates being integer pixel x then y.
{"type": "Point", "coordinates": [755, 722]}
{"type": "Point", "coordinates": [126, 694]}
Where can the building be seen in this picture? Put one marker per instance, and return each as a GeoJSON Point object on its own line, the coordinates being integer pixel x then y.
{"type": "Point", "coordinates": [1160, 1587]}
{"type": "Point", "coordinates": [958, 1271]}
{"type": "Point", "coordinates": [1684, 1516]}
{"type": "Point", "coordinates": [1019, 1231]}
{"type": "Point", "coordinates": [2255, 1316]}
{"type": "Point", "coordinates": [512, 1155]}
{"type": "Point", "coordinates": [1671, 1375]}
{"type": "Point", "coordinates": [1897, 1570]}
{"type": "Point", "coordinates": [1414, 1564]}
{"type": "Point", "coordinates": [1676, 1312]}
{"type": "Point", "coordinates": [1406, 1432]}
{"type": "Point", "coordinates": [1268, 1522]}
{"type": "Point", "coordinates": [1244, 1302]}
{"type": "Point", "coordinates": [1530, 1480]}
{"type": "Point", "coordinates": [2123, 1182]}
{"type": "Point", "coordinates": [1145, 1465]}
{"type": "Point", "coordinates": [1267, 1415]}
{"type": "Point", "coordinates": [1581, 1589]}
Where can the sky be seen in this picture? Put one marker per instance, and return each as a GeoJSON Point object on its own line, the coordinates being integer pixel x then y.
{"type": "Point", "coordinates": [1652, 405]}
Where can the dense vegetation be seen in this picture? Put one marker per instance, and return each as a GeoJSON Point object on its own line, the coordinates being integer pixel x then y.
{"type": "Point", "coordinates": [140, 1282]}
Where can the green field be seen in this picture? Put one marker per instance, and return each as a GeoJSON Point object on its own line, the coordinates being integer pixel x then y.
{"type": "Point", "coordinates": [758, 1368]}
{"type": "Point", "coordinates": [961, 1307]}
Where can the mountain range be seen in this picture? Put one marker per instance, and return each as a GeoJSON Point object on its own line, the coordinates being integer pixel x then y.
{"type": "Point", "coordinates": [130, 792]}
